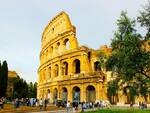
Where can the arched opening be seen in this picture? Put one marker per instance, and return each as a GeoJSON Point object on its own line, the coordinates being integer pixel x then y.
{"type": "Point", "coordinates": [64, 95]}
{"type": "Point", "coordinates": [97, 66]}
{"type": "Point", "coordinates": [76, 94]}
{"type": "Point", "coordinates": [66, 43]}
{"type": "Point", "coordinates": [90, 94]}
{"type": "Point", "coordinates": [49, 72]}
{"type": "Point", "coordinates": [51, 50]}
{"type": "Point", "coordinates": [48, 94]}
{"type": "Point", "coordinates": [76, 65]}
{"type": "Point", "coordinates": [65, 68]}
{"type": "Point", "coordinates": [56, 70]}
{"type": "Point", "coordinates": [89, 56]}
{"type": "Point", "coordinates": [55, 96]}
{"type": "Point", "coordinates": [57, 47]}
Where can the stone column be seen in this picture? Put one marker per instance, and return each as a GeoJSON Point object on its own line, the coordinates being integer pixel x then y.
{"type": "Point", "coordinates": [84, 63]}
{"type": "Point", "coordinates": [52, 71]}
{"type": "Point", "coordinates": [82, 94]}
{"type": "Point", "coordinates": [98, 91]}
{"type": "Point", "coordinates": [70, 93]}
{"type": "Point", "coordinates": [70, 67]}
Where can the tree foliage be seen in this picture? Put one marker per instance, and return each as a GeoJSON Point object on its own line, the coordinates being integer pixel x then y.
{"type": "Point", "coordinates": [24, 90]}
{"type": "Point", "coordinates": [144, 18]}
{"type": "Point", "coordinates": [129, 61]}
{"type": "Point", "coordinates": [3, 79]}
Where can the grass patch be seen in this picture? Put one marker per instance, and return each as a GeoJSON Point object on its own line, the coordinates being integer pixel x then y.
{"type": "Point", "coordinates": [119, 111]}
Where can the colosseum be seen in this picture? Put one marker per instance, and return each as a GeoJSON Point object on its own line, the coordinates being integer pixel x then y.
{"type": "Point", "coordinates": [67, 71]}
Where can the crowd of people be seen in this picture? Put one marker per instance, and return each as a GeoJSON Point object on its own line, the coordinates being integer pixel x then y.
{"type": "Point", "coordinates": [31, 102]}
{"type": "Point", "coordinates": [75, 106]}
{"type": "Point", "coordinates": [142, 105]}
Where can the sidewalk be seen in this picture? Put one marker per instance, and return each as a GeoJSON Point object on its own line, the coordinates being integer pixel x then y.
{"type": "Point", "coordinates": [57, 111]}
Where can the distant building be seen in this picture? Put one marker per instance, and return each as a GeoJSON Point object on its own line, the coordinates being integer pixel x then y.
{"type": "Point", "coordinates": [12, 75]}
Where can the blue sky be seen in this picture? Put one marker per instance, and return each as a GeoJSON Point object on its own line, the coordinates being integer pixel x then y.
{"type": "Point", "coordinates": [22, 23]}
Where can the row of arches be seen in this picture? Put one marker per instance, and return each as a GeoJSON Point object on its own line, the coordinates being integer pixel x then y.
{"type": "Point", "coordinates": [56, 69]}
{"type": "Point", "coordinates": [55, 49]}
{"type": "Point", "coordinates": [63, 69]}
{"type": "Point", "coordinates": [76, 94]}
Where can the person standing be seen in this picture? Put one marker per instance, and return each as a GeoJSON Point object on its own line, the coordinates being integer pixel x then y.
{"type": "Point", "coordinates": [1, 103]}
{"type": "Point", "coordinates": [45, 103]}
{"type": "Point", "coordinates": [73, 107]}
{"type": "Point", "coordinates": [68, 106]}
{"type": "Point", "coordinates": [41, 103]}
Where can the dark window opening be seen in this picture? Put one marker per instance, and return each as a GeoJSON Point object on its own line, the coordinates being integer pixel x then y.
{"type": "Point", "coordinates": [89, 56]}
{"type": "Point", "coordinates": [97, 66]}
{"type": "Point", "coordinates": [77, 66]}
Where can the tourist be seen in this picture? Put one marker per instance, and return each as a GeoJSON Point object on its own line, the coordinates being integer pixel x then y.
{"type": "Point", "coordinates": [1, 104]}
{"type": "Point", "coordinates": [31, 102]}
{"type": "Point", "coordinates": [73, 106]}
{"type": "Point", "coordinates": [41, 103]}
{"type": "Point", "coordinates": [36, 102]}
{"type": "Point", "coordinates": [68, 106]}
{"type": "Point", "coordinates": [76, 106]}
{"type": "Point", "coordinates": [16, 103]}
{"type": "Point", "coordinates": [45, 104]}
{"type": "Point", "coordinates": [139, 105]}
{"type": "Point", "coordinates": [131, 104]}
{"type": "Point", "coordinates": [28, 101]}
{"type": "Point", "coordinates": [142, 106]}
{"type": "Point", "coordinates": [83, 106]}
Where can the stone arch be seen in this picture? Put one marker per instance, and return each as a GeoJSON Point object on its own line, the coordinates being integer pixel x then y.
{"type": "Point", "coordinates": [55, 95]}
{"type": "Point", "coordinates": [89, 56]}
{"type": "Point", "coordinates": [48, 93]}
{"type": "Point", "coordinates": [90, 94]}
{"type": "Point", "coordinates": [76, 66]}
{"type": "Point", "coordinates": [56, 70]}
{"type": "Point", "coordinates": [97, 66]}
{"type": "Point", "coordinates": [64, 94]}
{"type": "Point", "coordinates": [50, 70]}
{"type": "Point", "coordinates": [66, 44]}
{"type": "Point", "coordinates": [76, 94]}
{"type": "Point", "coordinates": [65, 68]}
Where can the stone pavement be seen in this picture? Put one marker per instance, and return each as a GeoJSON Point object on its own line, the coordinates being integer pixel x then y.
{"type": "Point", "coordinates": [57, 111]}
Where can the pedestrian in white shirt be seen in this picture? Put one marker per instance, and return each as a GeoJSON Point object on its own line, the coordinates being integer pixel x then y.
{"type": "Point", "coordinates": [68, 106]}
{"type": "Point", "coordinates": [41, 103]}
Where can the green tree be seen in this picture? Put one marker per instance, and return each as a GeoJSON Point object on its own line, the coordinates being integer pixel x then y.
{"type": "Point", "coordinates": [112, 91]}
{"type": "Point", "coordinates": [35, 90]}
{"type": "Point", "coordinates": [0, 80]}
{"type": "Point", "coordinates": [144, 18]}
{"type": "Point", "coordinates": [128, 59]}
{"type": "Point", "coordinates": [4, 79]}
{"type": "Point", "coordinates": [24, 90]}
{"type": "Point", "coordinates": [20, 88]}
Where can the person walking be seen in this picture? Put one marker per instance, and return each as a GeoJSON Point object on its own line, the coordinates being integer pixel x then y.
{"type": "Point", "coordinates": [68, 106]}
{"type": "Point", "coordinates": [1, 104]}
{"type": "Point", "coordinates": [41, 103]}
{"type": "Point", "coordinates": [45, 103]}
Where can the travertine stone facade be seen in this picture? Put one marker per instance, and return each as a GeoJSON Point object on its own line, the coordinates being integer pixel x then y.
{"type": "Point", "coordinates": [12, 75]}
{"type": "Point", "coordinates": [67, 71]}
